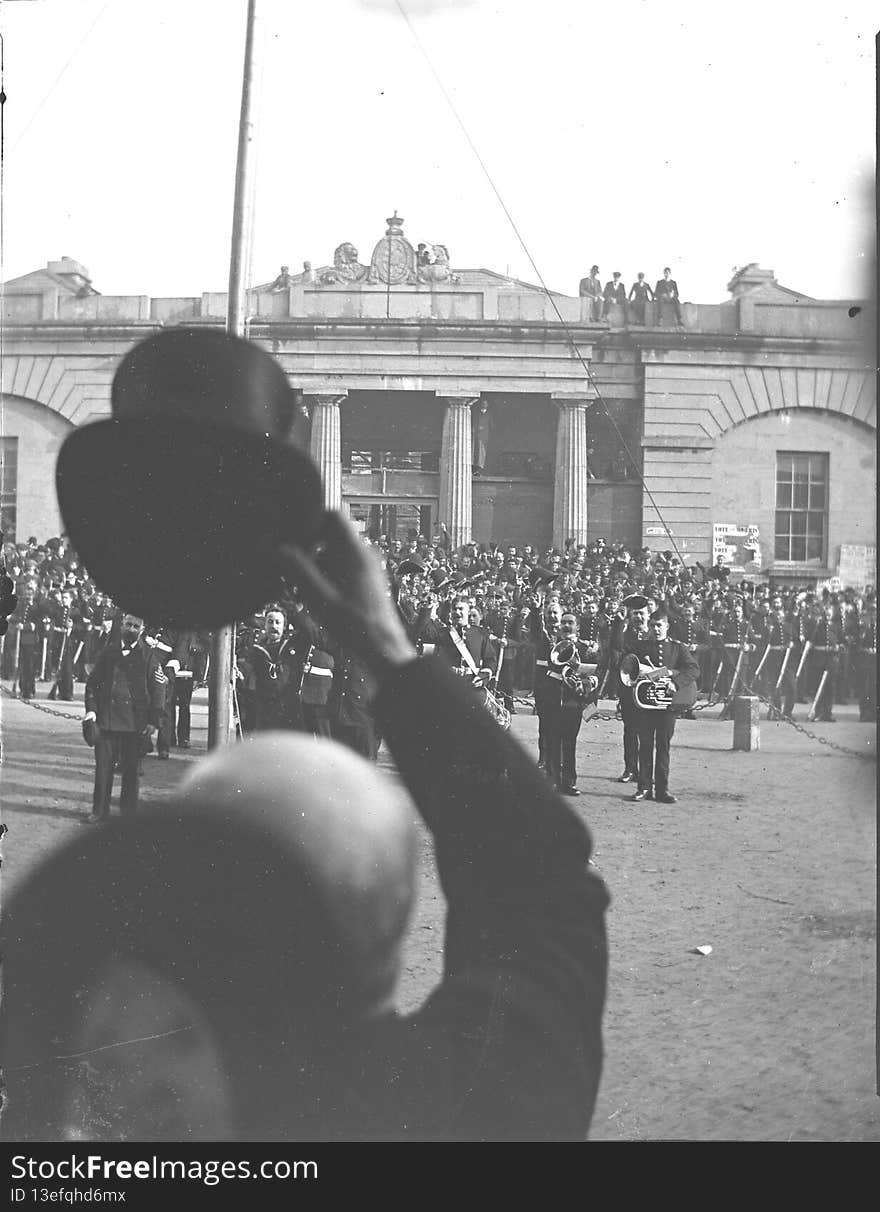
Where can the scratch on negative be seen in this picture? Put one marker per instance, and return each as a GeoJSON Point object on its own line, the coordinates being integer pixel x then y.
{"type": "Point", "coordinates": [123, 1043]}
{"type": "Point", "coordinates": [495, 1021]}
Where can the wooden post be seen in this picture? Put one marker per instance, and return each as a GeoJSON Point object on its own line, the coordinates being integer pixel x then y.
{"type": "Point", "coordinates": [746, 733]}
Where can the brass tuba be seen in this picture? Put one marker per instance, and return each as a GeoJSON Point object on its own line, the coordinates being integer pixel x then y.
{"type": "Point", "coordinates": [652, 694]}
{"type": "Point", "coordinates": [565, 658]}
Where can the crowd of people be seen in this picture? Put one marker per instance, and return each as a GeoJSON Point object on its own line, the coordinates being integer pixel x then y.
{"type": "Point", "coordinates": [740, 633]}
{"type": "Point", "coordinates": [784, 642]}
{"type": "Point", "coordinates": [498, 615]}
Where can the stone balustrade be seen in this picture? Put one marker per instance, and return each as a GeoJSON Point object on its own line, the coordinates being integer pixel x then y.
{"type": "Point", "coordinates": [808, 319]}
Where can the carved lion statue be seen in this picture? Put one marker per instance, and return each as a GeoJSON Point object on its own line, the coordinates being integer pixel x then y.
{"type": "Point", "coordinates": [345, 255]}
{"type": "Point", "coordinates": [346, 267]}
{"type": "Point", "coordinates": [437, 269]}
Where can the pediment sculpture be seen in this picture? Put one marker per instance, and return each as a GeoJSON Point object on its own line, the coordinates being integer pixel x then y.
{"type": "Point", "coordinates": [394, 263]}
{"type": "Point", "coordinates": [346, 266]}
{"type": "Point", "coordinates": [433, 264]}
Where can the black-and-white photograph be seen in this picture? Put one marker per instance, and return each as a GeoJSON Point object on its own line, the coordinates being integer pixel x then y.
{"type": "Point", "coordinates": [438, 506]}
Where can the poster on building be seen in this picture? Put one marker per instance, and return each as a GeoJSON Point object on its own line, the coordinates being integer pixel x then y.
{"type": "Point", "coordinates": [857, 566]}
{"type": "Point", "coordinates": [737, 546]}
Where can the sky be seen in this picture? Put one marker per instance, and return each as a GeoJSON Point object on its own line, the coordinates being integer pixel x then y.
{"type": "Point", "coordinates": [633, 134]}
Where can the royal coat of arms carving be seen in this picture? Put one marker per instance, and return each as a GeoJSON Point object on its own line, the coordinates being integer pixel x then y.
{"type": "Point", "coordinates": [394, 258]}
{"type": "Point", "coordinates": [394, 263]}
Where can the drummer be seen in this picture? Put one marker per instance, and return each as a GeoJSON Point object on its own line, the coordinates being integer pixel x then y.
{"type": "Point", "coordinates": [467, 645]}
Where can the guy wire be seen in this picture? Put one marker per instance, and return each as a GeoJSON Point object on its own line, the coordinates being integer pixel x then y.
{"type": "Point", "coordinates": [573, 344]}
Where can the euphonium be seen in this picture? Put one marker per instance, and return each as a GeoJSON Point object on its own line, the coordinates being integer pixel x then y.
{"type": "Point", "coordinates": [653, 694]}
{"type": "Point", "coordinates": [565, 657]}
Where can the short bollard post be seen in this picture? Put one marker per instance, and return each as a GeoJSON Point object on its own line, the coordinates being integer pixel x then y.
{"type": "Point", "coordinates": [746, 733]}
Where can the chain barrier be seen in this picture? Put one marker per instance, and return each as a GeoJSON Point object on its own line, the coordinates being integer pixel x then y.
{"type": "Point", "coordinates": [62, 715]}
{"type": "Point", "coordinates": [775, 714]}
{"type": "Point", "coordinates": [605, 716]}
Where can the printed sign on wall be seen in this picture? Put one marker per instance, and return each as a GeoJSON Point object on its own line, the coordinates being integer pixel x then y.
{"type": "Point", "coordinates": [857, 566]}
{"type": "Point", "coordinates": [737, 546]}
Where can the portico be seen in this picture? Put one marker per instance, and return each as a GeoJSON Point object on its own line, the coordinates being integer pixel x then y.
{"type": "Point", "coordinates": [488, 404]}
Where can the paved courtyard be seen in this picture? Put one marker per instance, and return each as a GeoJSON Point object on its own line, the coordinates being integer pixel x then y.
{"type": "Point", "coordinates": [768, 858]}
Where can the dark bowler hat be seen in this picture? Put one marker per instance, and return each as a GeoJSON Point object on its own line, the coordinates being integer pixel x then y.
{"type": "Point", "coordinates": [539, 575]}
{"type": "Point", "coordinates": [413, 563]}
{"type": "Point", "coordinates": [635, 601]}
{"type": "Point", "coordinates": [179, 503]}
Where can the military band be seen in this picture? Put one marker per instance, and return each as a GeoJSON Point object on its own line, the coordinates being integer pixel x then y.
{"type": "Point", "coordinates": [498, 617]}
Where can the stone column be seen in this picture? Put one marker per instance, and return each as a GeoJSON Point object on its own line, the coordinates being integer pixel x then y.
{"type": "Point", "coordinates": [456, 471]}
{"type": "Point", "coordinates": [325, 446]}
{"type": "Point", "coordinates": [570, 484]}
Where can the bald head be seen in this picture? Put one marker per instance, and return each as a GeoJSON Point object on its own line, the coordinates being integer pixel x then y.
{"type": "Point", "coordinates": [337, 818]}
{"type": "Point", "coordinates": [238, 933]}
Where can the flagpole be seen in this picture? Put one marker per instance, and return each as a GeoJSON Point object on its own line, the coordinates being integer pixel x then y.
{"type": "Point", "coordinates": [220, 681]}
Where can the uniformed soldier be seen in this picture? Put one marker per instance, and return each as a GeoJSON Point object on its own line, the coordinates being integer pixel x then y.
{"type": "Point", "coordinates": [737, 643]}
{"type": "Point", "coordinates": [314, 651]}
{"type": "Point", "coordinates": [26, 624]}
{"type": "Point", "coordinates": [181, 669]}
{"type": "Point", "coordinates": [523, 648]}
{"type": "Point", "coordinates": [567, 695]}
{"type": "Point", "coordinates": [351, 718]}
{"type": "Point", "coordinates": [778, 673]}
{"type": "Point", "coordinates": [467, 646]}
{"type": "Point", "coordinates": [246, 636]}
{"type": "Point", "coordinates": [159, 639]}
{"type": "Point", "coordinates": [825, 642]}
{"type": "Point", "coordinates": [98, 631]}
{"type": "Point", "coordinates": [545, 628]}
{"type": "Point", "coordinates": [82, 621]}
{"type": "Point", "coordinates": [499, 620]}
{"type": "Point", "coordinates": [801, 626]}
{"type": "Point", "coordinates": [694, 634]}
{"type": "Point", "coordinates": [62, 687]}
{"type": "Point", "coordinates": [276, 672]}
{"type": "Point", "coordinates": [656, 727]}
{"type": "Point", "coordinates": [866, 664]}
{"type": "Point", "coordinates": [848, 673]}
{"type": "Point", "coordinates": [594, 631]}
{"type": "Point", "coordinates": [629, 636]}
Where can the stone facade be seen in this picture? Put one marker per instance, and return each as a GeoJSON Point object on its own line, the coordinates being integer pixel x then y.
{"type": "Point", "coordinates": [492, 406]}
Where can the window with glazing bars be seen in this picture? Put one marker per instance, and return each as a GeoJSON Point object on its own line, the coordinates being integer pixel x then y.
{"type": "Point", "coordinates": [8, 487]}
{"type": "Point", "coordinates": [801, 507]}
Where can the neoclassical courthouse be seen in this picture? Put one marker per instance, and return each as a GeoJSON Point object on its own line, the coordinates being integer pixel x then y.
{"type": "Point", "coordinates": [470, 398]}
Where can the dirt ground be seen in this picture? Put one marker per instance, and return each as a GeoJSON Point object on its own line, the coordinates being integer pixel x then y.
{"type": "Point", "coordinates": [768, 858]}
